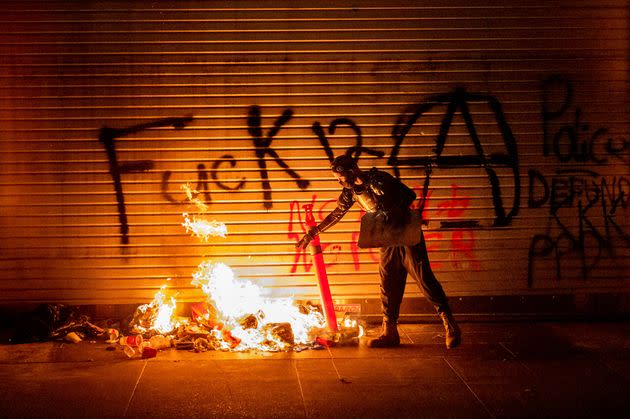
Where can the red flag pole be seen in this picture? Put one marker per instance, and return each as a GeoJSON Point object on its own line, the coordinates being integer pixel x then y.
{"type": "Point", "coordinates": [320, 269]}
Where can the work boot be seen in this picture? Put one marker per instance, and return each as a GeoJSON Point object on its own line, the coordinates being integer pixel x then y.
{"type": "Point", "coordinates": [453, 334]}
{"type": "Point", "coordinates": [389, 338]}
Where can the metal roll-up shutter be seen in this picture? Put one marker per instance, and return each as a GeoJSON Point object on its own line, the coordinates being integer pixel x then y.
{"type": "Point", "coordinates": [521, 108]}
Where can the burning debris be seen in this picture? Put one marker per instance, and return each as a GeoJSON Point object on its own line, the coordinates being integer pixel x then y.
{"type": "Point", "coordinates": [241, 308]}
{"type": "Point", "coordinates": [279, 333]}
{"type": "Point", "coordinates": [235, 316]}
{"type": "Point", "coordinates": [156, 317]}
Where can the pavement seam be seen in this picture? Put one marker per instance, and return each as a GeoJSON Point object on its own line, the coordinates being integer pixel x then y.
{"type": "Point", "coordinates": [133, 392]}
{"type": "Point", "coordinates": [297, 374]}
{"type": "Point", "coordinates": [332, 360]}
{"type": "Point", "coordinates": [407, 335]}
{"type": "Point", "coordinates": [508, 350]}
{"type": "Point", "coordinates": [516, 358]}
{"type": "Point", "coordinates": [470, 389]}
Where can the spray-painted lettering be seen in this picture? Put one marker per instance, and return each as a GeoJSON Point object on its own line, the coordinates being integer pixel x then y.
{"type": "Point", "coordinates": [586, 209]}
{"type": "Point", "coordinates": [108, 137]}
{"type": "Point", "coordinates": [566, 134]}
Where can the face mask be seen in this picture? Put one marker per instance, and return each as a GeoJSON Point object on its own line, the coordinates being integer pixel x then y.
{"type": "Point", "coordinates": [350, 176]}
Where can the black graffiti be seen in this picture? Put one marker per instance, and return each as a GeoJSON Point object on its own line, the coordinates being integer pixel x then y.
{"type": "Point", "coordinates": [262, 142]}
{"type": "Point", "coordinates": [262, 146]}
{"type": "Point", "coordinates": [459, 224]}
{"type": "Point", "coordinates": [574, 141]}
{"type": "Point", "coordinates": [565, 189]}
{"type": "Point", "coordinates": [202, 185]}
{"type": "Point", "coordinates": [583, 195]}
{"type": "Point", "coordinates": [215, 166]}
{"type": "Point", "coordinates": [354, 151]}
{"type": "Point", "coordinates": [563, 245]}
{"type": "Point", "coordinates": [459, 100]}
{"type": "Point", "coordinates": [108, 137]}
{"type": "Point", "coordinates": [166, 177]}
{"type": "Point", "coordinates": [203, 182]}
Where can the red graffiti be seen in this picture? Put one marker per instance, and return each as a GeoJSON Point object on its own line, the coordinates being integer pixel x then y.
{"type": "Point", "coordinates": [454, 207]}
{"type": "Point", "coordinates": [297, 228]}
{"type": "Point", "coordinates": [460, 241]}
{"type": "Point", "coordinates": [461, 247]}
{"type": "Point", "coordinates": [433, 245]}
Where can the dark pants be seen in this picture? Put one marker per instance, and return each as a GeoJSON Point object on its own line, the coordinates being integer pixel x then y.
{"type": "Point", "coordinates": [398, 261]}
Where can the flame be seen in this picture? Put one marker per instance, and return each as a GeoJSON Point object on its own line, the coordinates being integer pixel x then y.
{"type": "Point", "coordinates": [241, 317]}
{"type": "Point", "coordinates": [202, 228]}
{"type": "Point", "coordinates": [158, 315]}
{"type": "Point", "coordinates": [349, 323]}
{"type": "Point", "coordinates": [197, 226]}
{"type": "Point", "coordinates": [191, 194]}
{"type": "Point", "coordinates": [236, 299]}
{"type": "Point", "coordinates": [164, 319]}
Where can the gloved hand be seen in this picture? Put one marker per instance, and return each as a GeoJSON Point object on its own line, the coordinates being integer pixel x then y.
{"type": "Point", "coordinates": [306, 239]}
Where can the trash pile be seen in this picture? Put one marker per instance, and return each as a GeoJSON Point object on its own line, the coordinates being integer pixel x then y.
{"type": "Point", "coordinates": [57, 322]}
{"type": "Point", "coordinates": [236, 315]}
{"type": "Point", "coordinates": [142, 336]}
{"type": "Point", "coordinates": [239, 319]}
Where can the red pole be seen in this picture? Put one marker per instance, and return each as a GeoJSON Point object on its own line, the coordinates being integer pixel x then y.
{"type": "Point", "coordinates": [320, 269]}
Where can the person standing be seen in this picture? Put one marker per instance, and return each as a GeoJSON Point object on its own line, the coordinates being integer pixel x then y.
{"type": "Point", "coordinates": [387, 198]}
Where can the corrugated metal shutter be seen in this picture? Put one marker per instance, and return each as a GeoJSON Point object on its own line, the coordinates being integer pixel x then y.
{"type": "Point", "coordinates": [222, 95]}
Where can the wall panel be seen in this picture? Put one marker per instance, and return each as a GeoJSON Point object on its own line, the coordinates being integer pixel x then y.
{"type": "Point", "coordinates": [545, 83]}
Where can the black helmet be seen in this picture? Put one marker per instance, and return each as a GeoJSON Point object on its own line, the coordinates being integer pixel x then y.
{"type": "Point", "coordinates": [346, 166]}
{"type": "Point", "coordinates": [343, 163]}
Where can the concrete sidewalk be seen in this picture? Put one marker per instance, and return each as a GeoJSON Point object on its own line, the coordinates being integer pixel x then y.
{"type": "Point", "coordinates": [501, 370]}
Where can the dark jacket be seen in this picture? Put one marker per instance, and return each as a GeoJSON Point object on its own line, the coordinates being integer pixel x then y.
{"type": "Point", "coordinates": [380, 192]}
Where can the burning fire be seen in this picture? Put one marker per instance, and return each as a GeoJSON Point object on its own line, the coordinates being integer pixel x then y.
{"type": "Point", "coordinates": [158, 315]}
{"type": "Point", "coordinates": [252, 318]}
{"type": "Point", "coordinates": [238, 315]}
{"type": "Point", "coordinates": [199, 227]}
{"type": "Point", "coordinates": [192, 194]}
{"type": "Point", "coordinates": [202, 228]}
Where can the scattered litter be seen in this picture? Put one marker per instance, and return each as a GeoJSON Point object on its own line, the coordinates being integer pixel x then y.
{"type": "Point", "coordinates": [201, 332]}
{"type": "Point", "coordinates": [54, 322]}
{"type": "Point", "coordinates": [129, 351]}
{"type": "Point", "coordinates": [249, 322]}
{"type": "Point", "coordinates": [113, 335]}
{"type": "Point", "coordinates": [324, 342]}
{"type": "Point", "coordinates": [184, 345]}
{"type": "Point", "coordinates": [280, 332]}
{"type": "Point", "coordinates": [203, 344]}
{"type": "Point", "coordinates": [160, 342]}
{"type": "Point", "coordinates": [195, 331]}
{"type": "Point", "coordinates": [149, 352]}
{"type": "Point", "coordinates": [133, 341]}
{"type": "Point", "coordinates": [77, 325]}
{"type": "Point", "coordinates": [73, 337]}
